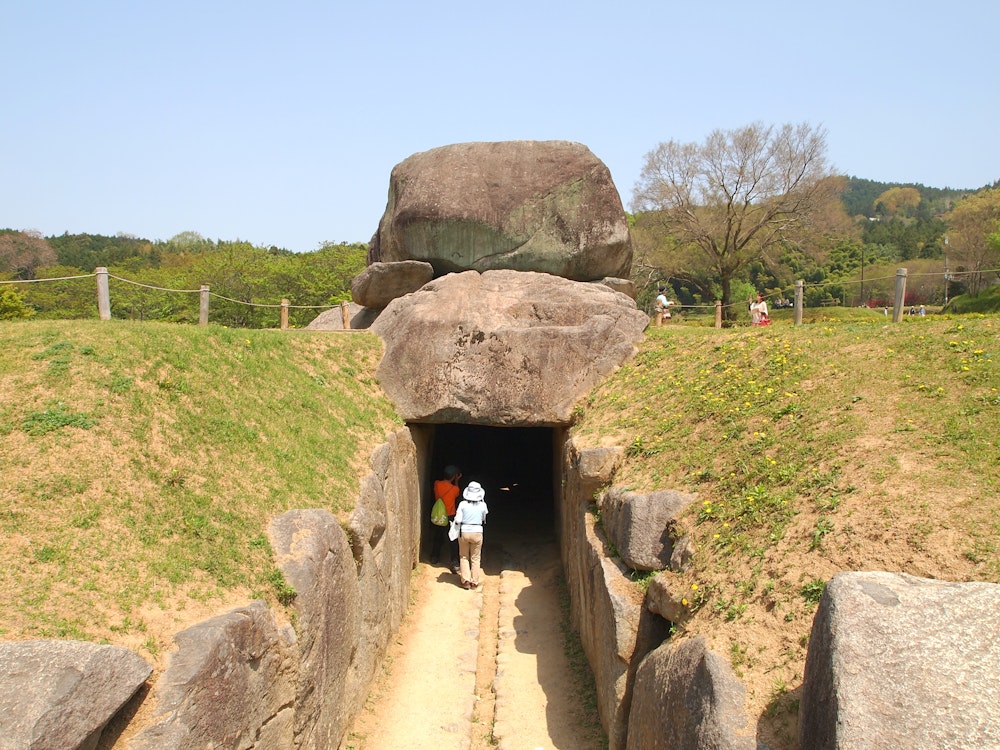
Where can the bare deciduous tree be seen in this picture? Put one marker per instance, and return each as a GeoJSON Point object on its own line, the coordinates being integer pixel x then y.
{"type": "Point", "coordinates": [970, 226]}
{"type": "Point", "coordinates": [741, 193]}
{"type": "Point", "coordinates": [23, 252]}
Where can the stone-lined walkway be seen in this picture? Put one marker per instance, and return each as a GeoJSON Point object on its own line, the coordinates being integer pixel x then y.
{"type": "Point", "coordinates": [477, 670]}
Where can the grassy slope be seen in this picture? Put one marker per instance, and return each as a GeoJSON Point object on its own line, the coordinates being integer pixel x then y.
{"type": "Point", "coordinates": [142, 462]}
{"type": "Point", "coordinates": [846, 444]}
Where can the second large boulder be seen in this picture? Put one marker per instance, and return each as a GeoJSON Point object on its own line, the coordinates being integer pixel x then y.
{"type": "Point", "coordinates": [503, 348]}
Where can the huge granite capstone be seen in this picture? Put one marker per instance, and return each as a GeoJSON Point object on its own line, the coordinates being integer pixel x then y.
{"type": "Point", "coordinates": [548, 206]}
{"type": "Point", "coordinates": [503, 348]}
{"type": "Point", "coordinates": [900, 661]}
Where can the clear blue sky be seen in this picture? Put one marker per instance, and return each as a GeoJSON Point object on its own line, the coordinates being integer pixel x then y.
{"type": "Point", "coordinates": [278, 123]}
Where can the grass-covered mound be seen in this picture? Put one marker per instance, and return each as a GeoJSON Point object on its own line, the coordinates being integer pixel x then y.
{"type": "Point", "coordinates": [142, 462]}
{"type": "Point", "coordinates": [852, 444]}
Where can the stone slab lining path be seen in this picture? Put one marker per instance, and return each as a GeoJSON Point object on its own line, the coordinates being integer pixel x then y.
{"type": "Point", "coordinates": [485, 669]}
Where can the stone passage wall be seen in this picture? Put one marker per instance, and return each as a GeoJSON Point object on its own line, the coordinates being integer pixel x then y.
{"type": "Point", "coordinates": [875, 638]}
{"type": "Point", "coordinates": [606, 608]}
{"type": "Point", "coordinates": [651, 692]}
{"type": "Point", "coordinates": [241, 680]}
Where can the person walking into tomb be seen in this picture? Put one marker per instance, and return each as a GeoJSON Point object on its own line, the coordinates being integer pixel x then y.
{"type": "Point", "coordinates": [447, 489]}
{"type": "Point", "coordinates": [470, 519]}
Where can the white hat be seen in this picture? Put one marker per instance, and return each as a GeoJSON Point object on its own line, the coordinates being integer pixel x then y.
{"type": "Point", "coordinates": [474, 492]}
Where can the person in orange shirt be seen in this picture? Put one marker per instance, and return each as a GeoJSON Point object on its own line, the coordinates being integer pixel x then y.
{"type": "Point", "coordinates": [448, 490]}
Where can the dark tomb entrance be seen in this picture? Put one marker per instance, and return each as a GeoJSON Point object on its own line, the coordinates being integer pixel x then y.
{"type": "Point", "coordinates": [518, 468]}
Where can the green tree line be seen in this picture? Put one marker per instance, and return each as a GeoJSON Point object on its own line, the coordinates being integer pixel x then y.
{"type": "Point", "coordinates": [750, 209]}
{"type": "Point", "coordinates": [247, 281]}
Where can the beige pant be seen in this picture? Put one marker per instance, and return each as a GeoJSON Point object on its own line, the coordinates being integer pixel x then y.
{"type": "Point", "coordinates": [470, 551]}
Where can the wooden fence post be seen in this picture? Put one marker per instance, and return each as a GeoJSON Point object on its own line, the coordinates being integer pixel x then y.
{"type": "Point", "coordinates": [203, 306]}
{"type": "Point", "coordinates": [346, 315]}
{"type": "Point", "coordinates": [900, 302]}
{"type": "Point", "coordinates": [799, 298]}
{"type": "Point", "coordinates": [103, 294]}
{"type": "Point", "coordinates": [284, 315]}
{"type": "Point", "coordinates": [718, 313]}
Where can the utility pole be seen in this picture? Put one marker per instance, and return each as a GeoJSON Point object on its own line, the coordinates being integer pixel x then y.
{"type": "Point", "coordinates": [863, 303]}
{"type": "Point", "coordinates": [946, 274]}
{"type": "Point", "coordinates": [946, 278]}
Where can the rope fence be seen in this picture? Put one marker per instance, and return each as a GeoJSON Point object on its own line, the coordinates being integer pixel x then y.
{"type": "Point", "coordinates": [205, 294]}
{"type": "Point", "coordinates": [58, 278]}
{"type": "Point", "coordinates": [898, 296]}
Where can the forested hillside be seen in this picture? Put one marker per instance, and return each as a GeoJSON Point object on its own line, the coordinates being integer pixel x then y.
{"type": "Point", "coordinates": [248, 281]}
{"type": "Point", "coordinates": [861, 196]}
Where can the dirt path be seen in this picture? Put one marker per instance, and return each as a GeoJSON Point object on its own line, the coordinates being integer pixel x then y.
{"type": "Point", "coordinates": [484, 669]}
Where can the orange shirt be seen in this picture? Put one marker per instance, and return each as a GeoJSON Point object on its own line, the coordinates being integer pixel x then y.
{"type": "Point", "coordinates": [448, 492]}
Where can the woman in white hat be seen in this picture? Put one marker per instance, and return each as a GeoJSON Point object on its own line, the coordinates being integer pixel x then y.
{"type": "Point", "coordinates": [470, 519]}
